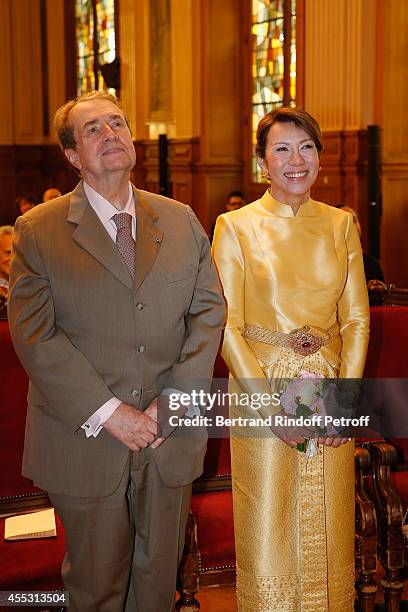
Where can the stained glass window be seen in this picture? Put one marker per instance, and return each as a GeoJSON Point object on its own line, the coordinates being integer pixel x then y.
{"type": "Point", "coordinates": [273, 32]}
{"type": "Point", "coordinates": [95, 36]}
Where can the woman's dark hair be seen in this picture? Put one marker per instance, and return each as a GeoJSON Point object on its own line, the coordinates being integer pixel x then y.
{"type": "Point", "coordinates": [288, 114]}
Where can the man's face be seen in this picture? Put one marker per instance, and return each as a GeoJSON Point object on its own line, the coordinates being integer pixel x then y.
{"type": "Point", "coordinates": [104, 144]}
{"type": "Point", "coordinates": [5, 254]}
{"type": "Point", "coordinates": [25, 206]}
{"type": "Point", "coordinates": [234, 202]}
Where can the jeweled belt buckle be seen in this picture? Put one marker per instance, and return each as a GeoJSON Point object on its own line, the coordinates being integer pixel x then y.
{"type": "Point", "coordinates": [303, 342]}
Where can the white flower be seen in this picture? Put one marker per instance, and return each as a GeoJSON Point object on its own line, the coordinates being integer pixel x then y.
{"type": "Point", "coordinates": [304, 390]}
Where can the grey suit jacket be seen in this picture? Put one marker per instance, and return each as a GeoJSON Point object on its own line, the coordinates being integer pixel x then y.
{"type": "Point", "coordinates": [85, 332]}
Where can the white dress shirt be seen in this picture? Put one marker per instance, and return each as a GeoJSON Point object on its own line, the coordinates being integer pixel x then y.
{"type": "Point", "coordinates": [105, 211]}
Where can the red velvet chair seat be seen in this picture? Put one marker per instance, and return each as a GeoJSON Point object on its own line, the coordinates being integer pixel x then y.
{"type": "Point", "coordinates": [386, 356]}
{"type": "Point", "coordinates": [218, 458]}
{"type": "Point", "coordinates": [401, 446]}
{"type": "Point", "coordinates": [13, 409]}
{"type": "Point", "coordinates": [25, 564]}
{"type": "Point", "coordinates": [32, 564]}
{"type": "Point", "coordinates": [213, 512]}
{"type": "Point", "coordinates": [400, 480]}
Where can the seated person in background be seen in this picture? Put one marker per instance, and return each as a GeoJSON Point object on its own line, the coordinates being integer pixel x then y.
{"type": "Point", "coordinates": [6, 237]}
{"type": "Point", "coordinates": [372, 267]}
{"type": "Point", "coordinates": [235, 200]}
{"type": "Point", "coordinates": [51, 193]}
{"type": "Point", "coordinates": [25, 202]}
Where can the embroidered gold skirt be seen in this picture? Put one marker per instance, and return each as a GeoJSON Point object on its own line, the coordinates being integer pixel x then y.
{"type": "Point", "coordinates": [294, 522]}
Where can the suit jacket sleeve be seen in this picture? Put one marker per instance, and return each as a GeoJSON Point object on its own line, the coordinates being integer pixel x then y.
{"type": "Point", "coordinates": [353, 309]}
{"type": "Point", "coordinates": [71, 386]}
{"type": "Point", "coordinates": [204, 321]}
{"type": "Point", "coordinates": [236, 352]}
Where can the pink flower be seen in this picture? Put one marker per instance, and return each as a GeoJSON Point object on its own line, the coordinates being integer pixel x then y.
{"type": "Point", "coordinates": [300, 392]}
{"type": "Point", "coordinates": [306, 374]}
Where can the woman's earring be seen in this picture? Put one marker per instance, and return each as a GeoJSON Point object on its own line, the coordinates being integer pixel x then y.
{"type": "Point", "coordinates": [320, 168]}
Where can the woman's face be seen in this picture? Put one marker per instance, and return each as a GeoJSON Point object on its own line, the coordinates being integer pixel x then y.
{"type": "Point", "coordinates": [291, 161]}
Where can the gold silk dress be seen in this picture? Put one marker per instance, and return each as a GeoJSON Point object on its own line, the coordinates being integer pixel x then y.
{"type": "Point", "coordinates": [293, 520]}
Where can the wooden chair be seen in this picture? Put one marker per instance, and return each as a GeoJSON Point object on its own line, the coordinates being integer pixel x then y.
{"type": "Point", "coordinates": [15, 490]}
{"type": "Point", "coordinates": [389, 458]}
{"type": "Point", "coordinates": [383, 360]}
{"type": "Point", "coordinates": [390, 516]}
{"type": "Point", "coordinates": [209, 552]}
{"type": "Point", "coordinates": [365, 534]}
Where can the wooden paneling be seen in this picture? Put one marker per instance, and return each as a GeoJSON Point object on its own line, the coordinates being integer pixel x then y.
{"type": "Point", "coordinates": [340, 62]}
{"type": "Point", "coordinates": [7, 185]}
{"type": "Point", "coordinates": [182, 168]}
{"type": "Point", "coordinates": [325, 67]}
{"type": "Point", "coordinates": [355, 75]}
{"type": "Point", "coordinates": [56, 58]}
{"type": "Point", "coordinates": [343, 178]}
{"type": "Point", "coordinates": [6, 76]}
{"type": "Point", "coordinates": [220, 169]}
{"type": "Point", "coordinates": [185, 79]}
{"type": "Point", "coordinates": [182, 159]}
{"type": "Point", "coordinates": [394, 225]}
{"type": "Point", "coordinates": [360, 61]}
{"type": "Point", "coordinates": [221, 109]}
{"type": "Point", "coordinates": [214, 182]}
{"type": "Point", "coordinates": [33, 169]}
{"type": "Point", "coordinates": [355, 55]}
{"type": "Point", "coordinates": [27, 82]}
{"type": "Point", "coordinates": [391, 112]}
{"type": "Point", "coordinates": [395, 90]}
{"type": "Point", "coordinates": [134, 65]}
{"type": "Point", "coordinates": [192, 181]}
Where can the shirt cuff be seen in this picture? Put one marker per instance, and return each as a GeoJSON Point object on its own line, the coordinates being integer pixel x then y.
{"type": "Point", "coordinates": [97, 420]}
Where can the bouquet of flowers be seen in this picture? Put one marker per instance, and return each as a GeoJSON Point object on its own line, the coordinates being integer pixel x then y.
{"type": "Point", "coordinates": [308, 397]}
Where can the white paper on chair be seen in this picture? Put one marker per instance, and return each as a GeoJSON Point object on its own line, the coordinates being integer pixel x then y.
{"type": "Point", "coordinates": [34, 525]}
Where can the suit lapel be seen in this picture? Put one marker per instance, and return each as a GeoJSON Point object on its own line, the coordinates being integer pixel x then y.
{"type": "Point", "coordinates": [92, 236]}
{"type": "Point", "coordinates": [148, 237]}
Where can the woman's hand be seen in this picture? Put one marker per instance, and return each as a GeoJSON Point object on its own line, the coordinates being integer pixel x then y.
{"type": "Point", "coordinates": [334, 442]}
{"type": "Point", "coordinates": [292, 435]}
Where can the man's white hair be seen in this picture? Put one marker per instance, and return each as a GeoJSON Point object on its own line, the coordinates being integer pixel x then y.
{"type": "Point", "coordinates": [6, 229]}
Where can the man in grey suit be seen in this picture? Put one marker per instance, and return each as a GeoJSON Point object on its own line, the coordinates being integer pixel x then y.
{"type": "Point", "coordinates": [114, 302]}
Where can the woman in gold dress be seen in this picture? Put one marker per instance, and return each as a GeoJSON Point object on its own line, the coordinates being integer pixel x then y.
{"type": "Point", "coordinates": [293, 277]}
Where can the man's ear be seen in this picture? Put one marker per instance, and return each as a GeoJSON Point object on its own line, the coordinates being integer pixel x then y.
{"type": "Point", "coordinates": [73, 158]}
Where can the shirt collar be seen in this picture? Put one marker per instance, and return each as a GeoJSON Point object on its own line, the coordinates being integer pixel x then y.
{"type": "Point", "coordinates": [307, 209]}
{"type": "Point", "coordinates": [103, 208]}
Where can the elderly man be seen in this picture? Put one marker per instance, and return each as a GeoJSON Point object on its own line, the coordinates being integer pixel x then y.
{"type": "Point", "coordinates": [114, 300]}
{"type": "Point", "coordinates": [6, 238]}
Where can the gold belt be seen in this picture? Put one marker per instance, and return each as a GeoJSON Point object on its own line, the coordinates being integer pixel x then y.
{"type": "Point", "coordinates": [306, 340]}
